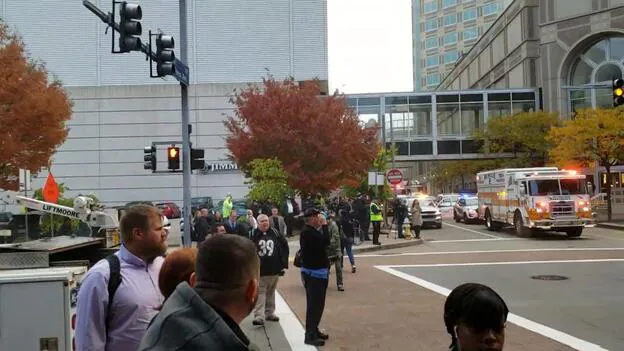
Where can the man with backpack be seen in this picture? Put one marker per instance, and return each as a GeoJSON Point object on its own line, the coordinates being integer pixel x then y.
{"type": "Point", "coordinates": [119, 295]}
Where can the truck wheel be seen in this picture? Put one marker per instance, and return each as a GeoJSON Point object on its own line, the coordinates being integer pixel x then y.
{"type": "Point", "coordinates": [574, 232]}
{"type": "Point", "coordinates": [489, 223]}
{"type": "Point", "coordinates": [521, 230]}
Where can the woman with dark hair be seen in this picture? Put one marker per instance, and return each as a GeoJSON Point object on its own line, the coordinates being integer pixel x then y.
{"type": "Point", "coordinates": [475, 316]}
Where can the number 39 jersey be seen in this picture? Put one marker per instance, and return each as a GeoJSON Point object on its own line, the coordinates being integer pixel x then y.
{"type": "Point", "coordinates": [272, 250]}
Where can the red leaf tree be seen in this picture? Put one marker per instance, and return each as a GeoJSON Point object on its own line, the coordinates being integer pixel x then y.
{"type": "Point", "coordinates": [318, 139]}
{"type": "Point", "coordinates": [33, 111]}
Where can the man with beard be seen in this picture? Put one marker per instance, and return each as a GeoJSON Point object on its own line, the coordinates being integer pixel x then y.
{"type": "Point", "coordinates": [205, 314]}
{"type": "Point", "coordinates": [116, 319]}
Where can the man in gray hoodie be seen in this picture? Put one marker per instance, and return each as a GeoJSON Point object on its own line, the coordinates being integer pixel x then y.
{"type": "Point", "coordinates": [206, 314]}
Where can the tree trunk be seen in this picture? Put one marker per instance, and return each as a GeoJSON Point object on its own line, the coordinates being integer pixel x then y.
{"type": "Point", "coordinates": [608, 171]}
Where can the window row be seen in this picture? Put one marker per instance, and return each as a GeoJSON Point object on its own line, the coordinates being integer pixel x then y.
{"type": "Point", "coordinates": [446, 58]}
{"type": "Point", "coordinates": [452, 38]}
{"type": "Point", "coordinates": [445, 147]}
{"type": "Point", "coordinates": [467, 15]}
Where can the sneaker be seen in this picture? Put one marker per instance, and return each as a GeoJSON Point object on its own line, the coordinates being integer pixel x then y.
{"type": "Point", "coordinates": [257, 322]}
{"type": "Point", "coordinates": [353, 269]}
{"type": "Point", "coordinates": [322, 336]}
{"type": "Point", "coordinates": [315, 342]}
{"type": "Point", "coordinates": [272, 318]}
{"type": "Point", "coordinates": [340, 288]}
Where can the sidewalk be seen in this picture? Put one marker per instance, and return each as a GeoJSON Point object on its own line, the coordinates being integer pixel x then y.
{"type": "Point", "coordinates": [388, 242]}
{"type": "Point", "coordinates": [611, 225]}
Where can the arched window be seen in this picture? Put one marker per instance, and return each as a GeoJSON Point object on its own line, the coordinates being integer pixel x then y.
{"type": "Point", "coordinates": [600, 62]}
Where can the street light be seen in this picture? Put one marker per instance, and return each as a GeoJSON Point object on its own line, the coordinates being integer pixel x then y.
{"type": "Point", "coordinates": [173, 157]}
{"type": "Point", "coordinates": [129, 27]}
{"type": "Point", "coordinates": [618, 92]}
{"type": "Point", "coordinates": [164, 55]}
{"type": "Point", "coordinates": [149, 156]}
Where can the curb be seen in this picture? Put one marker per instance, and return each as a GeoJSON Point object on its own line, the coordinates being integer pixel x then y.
{"type": "Point", "coordinates": [610, 226]}
{"type": "Point", "coordinates": [388, 246]}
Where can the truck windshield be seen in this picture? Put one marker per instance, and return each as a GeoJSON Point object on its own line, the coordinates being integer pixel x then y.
{"type": "Point", "coordinates": [551, 187]}
{"type": "Point", "coordinates": [544, 187]}
{"type": "Point", "coordinates": [573, 187]}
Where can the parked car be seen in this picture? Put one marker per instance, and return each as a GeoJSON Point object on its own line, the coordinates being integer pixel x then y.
{"type": "Point", "coordinates": [430, 212]}
{"type": "Point", "coordinates": [169, 210]}
{"type": "Point", "coordinates": [240, 206]}
{"type": "Point", "coordinates": [197, 203]}
{"type": "Point", "coordinates": [466, 209]}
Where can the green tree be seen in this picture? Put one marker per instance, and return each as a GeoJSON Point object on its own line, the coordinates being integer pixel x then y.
{"type": "Point", "coordinates": [353, 186]}
{"type": "Point", "coordinates": [594, 135]}
{"type": "Point", "coordinates": [269, 181]}
{"type": "Point", "coordinates": [523, 134]}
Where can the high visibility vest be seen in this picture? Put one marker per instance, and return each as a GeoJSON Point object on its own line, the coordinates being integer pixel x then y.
{"type": "Point", "coordinates": [375, 217]}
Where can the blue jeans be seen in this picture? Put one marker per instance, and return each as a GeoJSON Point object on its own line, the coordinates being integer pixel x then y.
{"type": "Point", "coordinates": [348, 246]}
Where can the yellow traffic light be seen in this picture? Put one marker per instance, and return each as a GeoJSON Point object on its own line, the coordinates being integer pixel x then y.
{"type": "Point", "coordinates": [173, 156]}
{"type": "Point", "coordinates": [619, 92]}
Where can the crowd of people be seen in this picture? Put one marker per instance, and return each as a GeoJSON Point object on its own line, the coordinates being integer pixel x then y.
{"type": "Point", "coordinates": [196, 298]}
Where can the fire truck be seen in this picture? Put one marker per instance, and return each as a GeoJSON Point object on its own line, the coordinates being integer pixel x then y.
{"type": "Point", "coordinates": [39, 279]}
{"type": "Point", "coordinates": [533, 199]}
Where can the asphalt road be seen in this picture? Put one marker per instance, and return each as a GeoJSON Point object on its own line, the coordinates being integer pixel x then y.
{"type": "Point", "coordinates": [395, 300]}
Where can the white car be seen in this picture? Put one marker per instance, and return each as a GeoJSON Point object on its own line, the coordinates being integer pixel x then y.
{"type": "Point", "coordinates": [430, 213]}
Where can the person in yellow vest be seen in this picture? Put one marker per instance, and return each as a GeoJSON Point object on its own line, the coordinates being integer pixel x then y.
{"type": "Point", "coordinates": [227, 206]}
{"type": "Point", "coordinates": [376, 217]}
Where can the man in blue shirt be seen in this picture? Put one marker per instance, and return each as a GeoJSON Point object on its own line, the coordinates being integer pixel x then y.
{"type": "Point", "coordinates": [137, 298]}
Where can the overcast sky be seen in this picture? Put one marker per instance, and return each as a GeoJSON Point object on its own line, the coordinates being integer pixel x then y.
{"type": "Point", "coordinates": [370, 45]}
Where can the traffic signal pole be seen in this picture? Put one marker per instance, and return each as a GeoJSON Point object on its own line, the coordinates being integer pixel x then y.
{"type": "Point", "coordinates": [186, 142]}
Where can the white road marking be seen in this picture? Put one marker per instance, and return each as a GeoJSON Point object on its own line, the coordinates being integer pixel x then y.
{"type": "Point", "coordinates": [468, 240]}
{"type": "Point", "coordinates": [501, 263]}
{"type": "Point", "coordinates": [293, 329]}
{"type": "Point", "coordinates": [493, 251]}
{"type": "Point", "coordinates": [535, 327]}
{"type": "Point", "coordinates": [475, 231]}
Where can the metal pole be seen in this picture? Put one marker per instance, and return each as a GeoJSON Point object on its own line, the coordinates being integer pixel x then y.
{"type": "Point", "coordinates": [186, 145]}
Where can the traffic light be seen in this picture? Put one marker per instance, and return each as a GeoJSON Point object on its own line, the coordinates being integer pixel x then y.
{"type": "Point", "coordinates": [618, 92]}
{"type": "Point", "coordinates": [173, 156]}
{"type": "Point", "coordinates": [197, 159]}
{"type": "Point", "coordinates": [129, 27]}
{"type": "Point", "coordinates": [164, 55]}
{"type": "Point", "coordinates": [149, 156]}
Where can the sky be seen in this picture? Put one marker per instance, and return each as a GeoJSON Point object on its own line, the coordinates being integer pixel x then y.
{"type": "Point", "coordinates": [370, 45]}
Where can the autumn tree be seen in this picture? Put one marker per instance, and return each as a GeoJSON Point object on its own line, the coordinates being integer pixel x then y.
{"type": "Point", "coordinates": [269, 181]}
{"type": "Point", "coordinates": [33, 111]}
{"type": "Point", "coordinates": [318, 139]}
{"type": "Point", "coordinates": [593, 135]}
{"type": "Point", "coordinates": [523, 134]}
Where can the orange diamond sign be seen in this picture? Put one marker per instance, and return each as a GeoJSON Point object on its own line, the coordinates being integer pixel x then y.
{"type": "Point", "coordinates": [50, 190]}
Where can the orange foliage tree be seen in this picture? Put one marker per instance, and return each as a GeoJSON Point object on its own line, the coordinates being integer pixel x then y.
{"type": "Point", "coordinates": [33, 111]}
{"type": "Point", "coordinates": [318, 139]}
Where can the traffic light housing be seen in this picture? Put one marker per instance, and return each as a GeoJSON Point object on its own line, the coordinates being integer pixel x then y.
{"type": "Point", "coordinates": [130, 27]}
{"type": "Point", "coordinates": [618, 92]}
{"type": "Point", "coordinates": [164, 55]}
{"type": "Point", "coordinates": [149, 156]}
{"type": "Point", "coordinates": [173, 157]}
{"type": "Point", "coordinates": [197, 159]}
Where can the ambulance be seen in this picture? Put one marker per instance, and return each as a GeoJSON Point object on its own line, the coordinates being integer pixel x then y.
{"type": "Point", "coordinates": [533, 199]}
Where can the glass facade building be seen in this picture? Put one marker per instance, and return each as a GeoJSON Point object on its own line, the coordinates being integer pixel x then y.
{"type": "Point", "coordinates": [439, 125]}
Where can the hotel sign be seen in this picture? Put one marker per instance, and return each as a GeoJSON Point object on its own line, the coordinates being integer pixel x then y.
{"type": "Point", "coordinates": [219, 167]}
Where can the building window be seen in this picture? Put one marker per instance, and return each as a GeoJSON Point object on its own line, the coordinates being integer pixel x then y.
{"type": "Point", "coordinates": [433, 80]}
{"type": "Point", "coordinates": [431, 43]}
{"type": "Point", "coordinates": [450, 38]}
{"type": "Point", "coordinates": [450, 57]}
{"type": "Point", "coordinates": [467, 1]}
{"type": "Point", "coordinates": [491, 8]}
{"type": "Point", "coordinates": [432, 61]}
{"type": "Point", "coordinates": [599, 63]}
{"type": "Point", "coordinates": [471, 33]}
{"type": "Point", "coordinates": [430, 6]}
{"type": "Point", "coordinates": [469, 14]}
{"type": "Point", "coordinates": [450, 19]}
{"type": "Point", "coordinates": [431, 25]}
{"type": "Point", "coordinates": [448, 3]}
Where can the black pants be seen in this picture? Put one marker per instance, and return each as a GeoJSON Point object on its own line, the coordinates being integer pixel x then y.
{"type": "Point", "coordinates": [316, 289]}
{"type": "Point", "coordinates": [290, 222]}
{"type": "Point", "coordinates": [364, 225]}
{"type": "Point", "coordinates": [376, 231]}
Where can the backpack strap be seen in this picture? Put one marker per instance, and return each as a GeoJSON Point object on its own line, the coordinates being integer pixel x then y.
{"type": "Point", "coordinates": [113, 283]}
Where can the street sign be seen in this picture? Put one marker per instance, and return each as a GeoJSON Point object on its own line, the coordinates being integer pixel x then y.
{"type": "Point", "coordinates": [50, 190]}
{"type": "Point", "coordinates": [395, 176]}
{"type": "Point", "coordinates": [181, 72]}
